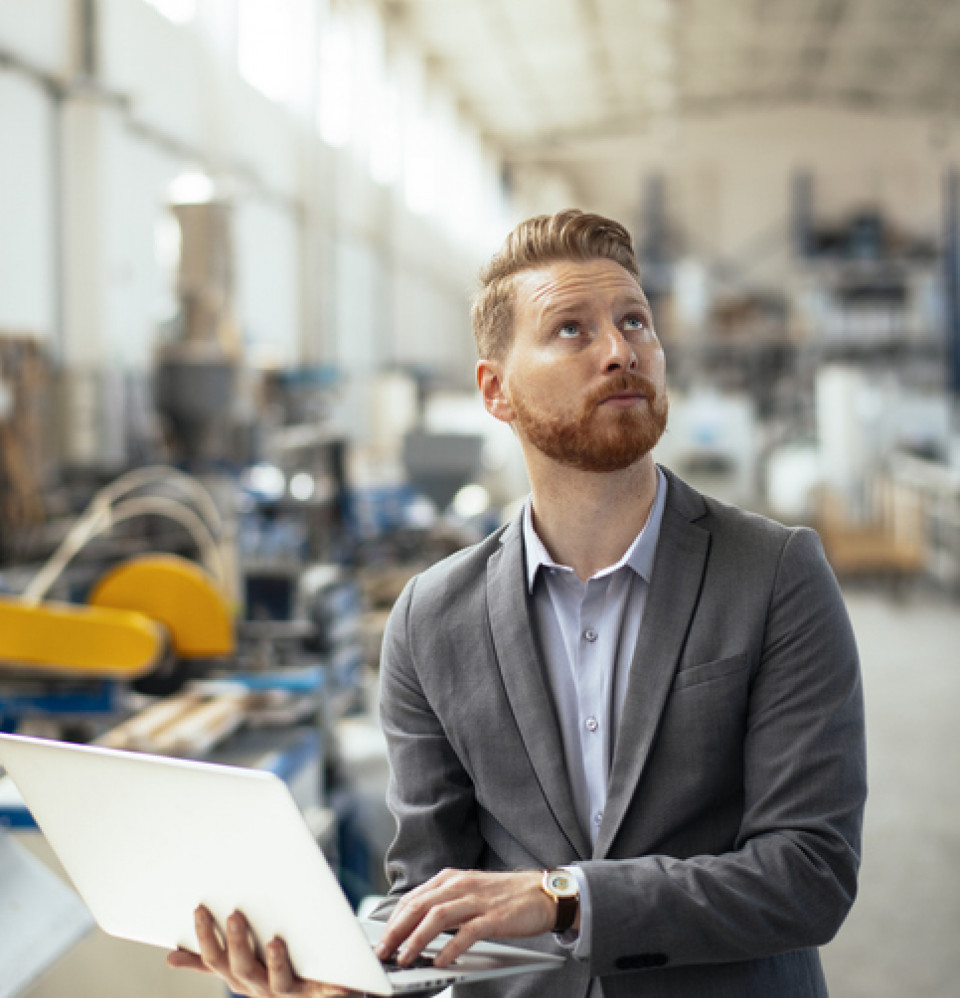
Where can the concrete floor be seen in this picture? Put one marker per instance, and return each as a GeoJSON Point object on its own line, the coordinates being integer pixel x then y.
{"type": "Point", "coordinates": [902, 939]}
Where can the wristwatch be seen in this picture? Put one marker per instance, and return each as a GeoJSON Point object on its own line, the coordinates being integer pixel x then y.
{"type": "Point", "coordinates": [562, 887]}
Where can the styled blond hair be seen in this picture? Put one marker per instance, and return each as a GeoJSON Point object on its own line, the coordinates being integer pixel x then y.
{"type": "Point", "coordinates": [568, 235]}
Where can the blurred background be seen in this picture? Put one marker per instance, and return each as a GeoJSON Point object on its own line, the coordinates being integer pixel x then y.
{"type": "Point", "coordinates": [238, 240]}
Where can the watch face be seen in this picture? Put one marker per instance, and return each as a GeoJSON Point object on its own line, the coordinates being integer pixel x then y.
{"type": "Point", "coordinates": [561, 883]}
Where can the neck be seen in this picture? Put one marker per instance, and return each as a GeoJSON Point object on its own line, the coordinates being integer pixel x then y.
{"type": "Point", "coordinates": [588, 520]}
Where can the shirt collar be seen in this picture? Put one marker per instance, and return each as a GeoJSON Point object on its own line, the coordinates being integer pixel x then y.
{"type": "Point", "coordinates": [639, 556]}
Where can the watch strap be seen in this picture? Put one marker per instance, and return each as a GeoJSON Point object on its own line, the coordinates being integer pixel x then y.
{"type": "Point", "coordinates": [566, 913]}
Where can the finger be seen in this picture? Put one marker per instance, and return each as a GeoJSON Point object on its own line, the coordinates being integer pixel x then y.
{"type": "Point", "coordinates": [449, 916]}
{"type": "Point", "coordinates": [212, 952]}
{"type": "Point", "coordinates": [401, 922]}
{"type": "Point", "coordinates": [412, 908]}
{"type": "Point", "coordinates": [182, 959]}
{"type": "Point", "coordinates": [243, 961]}
{"type": "Point", "coordinates": [280, 975]}
{"type": "Point", "coordinates": [283, 981]}
{"type": "Point", "coordinates": [462, 940]}
{"type": "Point", "coordinates": [398, 930]}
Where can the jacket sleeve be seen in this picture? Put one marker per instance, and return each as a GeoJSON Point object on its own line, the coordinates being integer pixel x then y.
{"type": "Point", "coordinates": [791, 877]}
{"type": "Point", "coordinates": [429, 793]}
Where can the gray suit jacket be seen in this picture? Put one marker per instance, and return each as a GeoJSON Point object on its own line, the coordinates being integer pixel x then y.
{"type": "Point", "coordinates": [730, 842]}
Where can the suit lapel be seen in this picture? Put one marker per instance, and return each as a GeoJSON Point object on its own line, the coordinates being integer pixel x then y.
{"type": "Point", "coordinates": [518, 658]}
{"type": "Point", "coordinates": [671, 601]}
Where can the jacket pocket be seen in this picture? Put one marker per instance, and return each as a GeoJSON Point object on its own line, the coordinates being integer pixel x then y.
{"type": "Point", "coordinates": [696, 675]}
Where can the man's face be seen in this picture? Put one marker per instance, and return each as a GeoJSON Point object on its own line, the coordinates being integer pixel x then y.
{"type": "Point", "coordinates": [584, 379]}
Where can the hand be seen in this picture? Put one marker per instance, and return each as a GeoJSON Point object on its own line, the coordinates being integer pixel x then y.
{"type": "Point", "coordinates": [237, 964]}
{"type": "Point", "coordinates": [471, 904]}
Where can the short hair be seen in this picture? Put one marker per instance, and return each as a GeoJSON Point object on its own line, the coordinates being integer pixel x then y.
{"type": "Point", "coordinates": [568, 235]}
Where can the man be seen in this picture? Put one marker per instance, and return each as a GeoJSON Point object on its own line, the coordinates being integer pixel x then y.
{"type": "Point", "coordinates": [650, 695]}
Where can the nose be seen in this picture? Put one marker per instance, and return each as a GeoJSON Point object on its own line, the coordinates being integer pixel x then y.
{"type": "Point", "coordinates": [621, 355]}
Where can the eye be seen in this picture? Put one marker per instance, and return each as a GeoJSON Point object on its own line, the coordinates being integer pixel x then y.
{"type": "Point", "coordinates": [568, 331]}
{"type": "Point", "coordinates": [635, 322]}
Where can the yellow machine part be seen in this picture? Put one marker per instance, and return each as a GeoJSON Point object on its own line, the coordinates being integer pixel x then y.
{"type": "Point", "coordinates": [84, 640]}
{"type": "Point", "coordinates": [177, 593]}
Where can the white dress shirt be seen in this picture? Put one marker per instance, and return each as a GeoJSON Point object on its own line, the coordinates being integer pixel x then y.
{"type": "Point", "coordinates": [588, 633]}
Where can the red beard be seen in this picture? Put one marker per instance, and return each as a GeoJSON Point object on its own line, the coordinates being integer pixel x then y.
{"type": "Point", "coordinates": [596, 441]}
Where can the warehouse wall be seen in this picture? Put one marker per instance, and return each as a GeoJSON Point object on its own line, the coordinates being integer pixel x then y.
{"type": "Point", "coordinates": [27, 236]}
{"type": "Point", "coordinates": [729, 175]}
{"type": "Point", "coordinates": [331, 267]}
{"type": "Point", "coordinates": [743, 167]}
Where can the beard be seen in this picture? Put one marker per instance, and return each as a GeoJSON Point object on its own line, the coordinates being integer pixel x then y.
{"type": "Point", "coordinates": [593, 440]}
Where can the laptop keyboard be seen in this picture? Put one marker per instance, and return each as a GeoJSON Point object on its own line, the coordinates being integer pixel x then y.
{"type": "Point", "coordinates": [420, 963]}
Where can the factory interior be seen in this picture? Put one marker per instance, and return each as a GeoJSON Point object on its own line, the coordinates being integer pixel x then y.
{"type": "Point", "coordinates": [238, 245]}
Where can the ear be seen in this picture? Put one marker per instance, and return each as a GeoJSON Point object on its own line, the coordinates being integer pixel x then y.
{"type": "Point", "coordinates": [490, 381]}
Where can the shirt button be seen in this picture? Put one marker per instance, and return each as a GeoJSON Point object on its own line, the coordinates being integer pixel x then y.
{"type": "Point", "coordinates": [590, 634]}
{"type": "Point", "coordinates": [598, 817]}
{"type": "Point", "coordinates": [591, 724]}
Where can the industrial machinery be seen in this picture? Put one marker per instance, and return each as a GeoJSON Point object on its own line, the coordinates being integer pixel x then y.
{"type": "Point", "coordinates": [145, 613]}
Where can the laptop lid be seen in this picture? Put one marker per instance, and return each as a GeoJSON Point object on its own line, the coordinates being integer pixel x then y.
{"type": "Point", "coordinates": [146, 838]}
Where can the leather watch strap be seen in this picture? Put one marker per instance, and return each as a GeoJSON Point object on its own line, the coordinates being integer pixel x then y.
{"type": "Point", "coordinates": [566, 913]}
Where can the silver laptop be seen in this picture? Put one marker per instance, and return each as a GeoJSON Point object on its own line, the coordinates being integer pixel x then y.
{"type": "Point", "coordinates": [145, 839]}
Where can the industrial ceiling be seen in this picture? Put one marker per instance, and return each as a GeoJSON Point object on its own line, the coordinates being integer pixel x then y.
{"type": "Point", "coordinates": [541, 73]}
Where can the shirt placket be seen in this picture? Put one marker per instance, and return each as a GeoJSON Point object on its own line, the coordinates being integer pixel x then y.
{"type": "Point", "coordinates": [593, 696]}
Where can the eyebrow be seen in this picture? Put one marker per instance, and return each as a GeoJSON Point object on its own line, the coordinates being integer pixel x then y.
{"type": "Point", "coordinates": [559, 308]}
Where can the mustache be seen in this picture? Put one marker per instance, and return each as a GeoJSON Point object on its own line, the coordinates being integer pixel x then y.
{"type": "Point", "coordinates": [624, 382]}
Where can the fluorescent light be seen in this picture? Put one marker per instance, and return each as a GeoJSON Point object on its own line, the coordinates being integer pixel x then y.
{"type": "Point", "coordinates": [192, 188]}
{"type": "Point", "coordinates": [302, 486]}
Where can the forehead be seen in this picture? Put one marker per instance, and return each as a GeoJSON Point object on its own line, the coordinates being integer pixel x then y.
{"type": "Point", "coordinates": [571, 284]}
